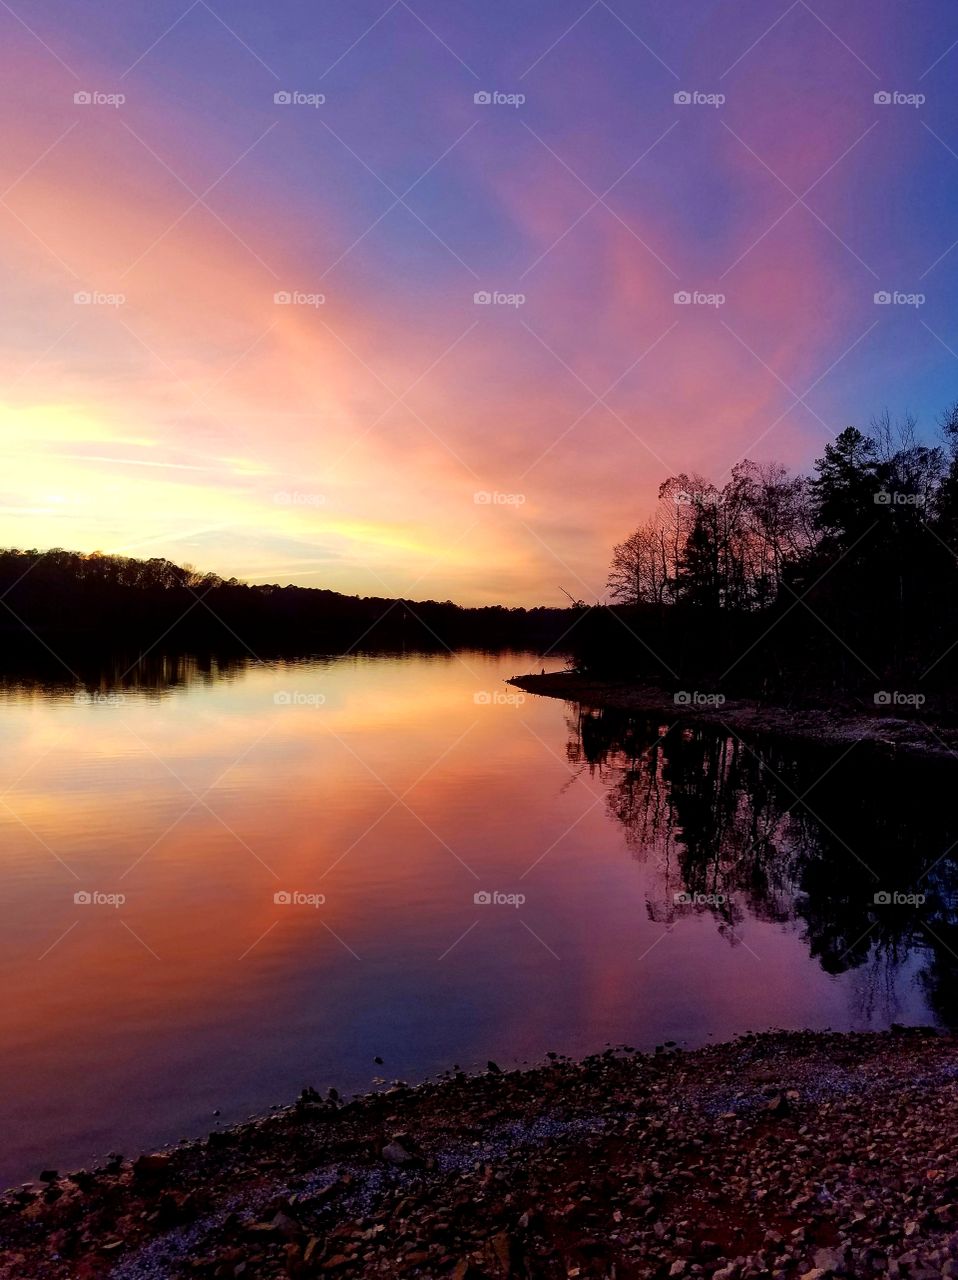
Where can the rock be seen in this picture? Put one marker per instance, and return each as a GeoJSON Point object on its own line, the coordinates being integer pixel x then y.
{"type": "Point", "coordinates": [502, 1251]}
{"type": "Point", "coordinates": [494, 1068]}
{"type": "Point", "coordinates": [605, 1167]}
{"type": "Point", "coordinates": [467, 1270]}
{"type": "Point", "coordinates": [286, 1226]}
{"type": "Point", "coordinates": [396, 1153]}
{"type": "Point", "coordinates": [152, 1166]}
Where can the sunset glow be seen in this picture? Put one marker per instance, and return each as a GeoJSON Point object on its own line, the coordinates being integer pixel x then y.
{"type": "Point", "coordinates": [343, 442]}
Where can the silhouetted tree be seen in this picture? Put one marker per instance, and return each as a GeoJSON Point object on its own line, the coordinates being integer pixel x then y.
{"type": "Point", "coordinates": [841, 580]}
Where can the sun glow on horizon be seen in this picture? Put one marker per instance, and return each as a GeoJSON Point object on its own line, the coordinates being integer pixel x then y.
{"type": "Point", "coordinates": [227, 340]}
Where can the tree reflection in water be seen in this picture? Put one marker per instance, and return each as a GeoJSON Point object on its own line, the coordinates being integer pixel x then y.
{"type": "Point", "coordinates": [805, 836]}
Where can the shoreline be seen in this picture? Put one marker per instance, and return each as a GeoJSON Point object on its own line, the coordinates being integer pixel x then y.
{"type": "Point", "coordinates": [834, 726]}
{"type": "Point", "coordinates": [784, 1154]}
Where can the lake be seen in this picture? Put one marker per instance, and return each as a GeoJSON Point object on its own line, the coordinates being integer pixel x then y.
{"type": "Point", "coordinates": [224, 883]}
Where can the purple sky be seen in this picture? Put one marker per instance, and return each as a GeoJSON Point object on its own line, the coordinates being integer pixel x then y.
{"type": "Point", "coordinates": [384, 432]}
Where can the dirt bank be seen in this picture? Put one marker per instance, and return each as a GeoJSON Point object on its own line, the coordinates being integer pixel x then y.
{"type": "Point", "coordinates": [918, 735]}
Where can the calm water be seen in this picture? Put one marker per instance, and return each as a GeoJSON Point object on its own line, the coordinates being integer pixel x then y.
{"type": "Point", "coordinates": [675, 888]}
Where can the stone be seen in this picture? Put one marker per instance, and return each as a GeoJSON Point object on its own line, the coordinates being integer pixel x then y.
{"type": "Point", "coordinates": [396, 1153]}
{"type": "Point", "coordinates": [152, 1166]}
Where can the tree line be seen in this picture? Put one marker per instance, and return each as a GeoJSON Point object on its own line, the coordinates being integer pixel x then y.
{"type": "Point", "coordinates": [50, 599]}
{"type": "Point", "coordinates": [844, 578]}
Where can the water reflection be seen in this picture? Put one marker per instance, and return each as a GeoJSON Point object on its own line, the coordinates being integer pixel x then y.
{"type": "Point", "coordinates": [675, 884]}
{"type": "Point", "coordinates": [854, 844]}
{"type": "Point", "coordinates": [35, 670]}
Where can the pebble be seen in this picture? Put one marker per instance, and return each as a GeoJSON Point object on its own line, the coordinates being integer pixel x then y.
{"type": "Point", "coordinates": [625, 1165]}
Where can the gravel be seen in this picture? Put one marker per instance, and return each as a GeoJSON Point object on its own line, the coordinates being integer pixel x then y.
{"type": "Point", "coordinates": [788, 1154]}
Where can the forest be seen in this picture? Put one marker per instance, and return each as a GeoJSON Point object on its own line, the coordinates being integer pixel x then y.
{"type": "Point", "coordinates": [57, 599]}
{"type": "Point", "coordinates": [843, 580]}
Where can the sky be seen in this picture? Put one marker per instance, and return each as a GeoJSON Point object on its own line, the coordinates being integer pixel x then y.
{"type": "Point", "coordinates": [427, 298]}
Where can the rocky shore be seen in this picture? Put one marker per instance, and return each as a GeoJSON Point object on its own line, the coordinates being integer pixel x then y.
{"type": "Point", "coordinates": [919, 734]}
{"type": "Point", "coordinates": [789, 1154]}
